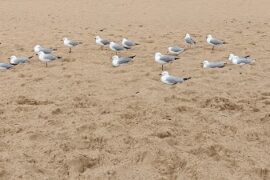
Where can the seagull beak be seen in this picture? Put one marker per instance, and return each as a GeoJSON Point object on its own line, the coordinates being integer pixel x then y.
{"type": "Point", "coordinates": [8, 58]}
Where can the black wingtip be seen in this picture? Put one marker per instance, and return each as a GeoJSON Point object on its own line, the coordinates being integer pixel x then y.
{"type": "Point", "coordinates": [30, 57]}
{"type": "Point", "coordinates": [55, 49]}
{"type": "Point", "coordinates": [127, 47]}
{"type": "Point", "coordinates": [137, 44]}
{"type": "Point", "coordinates": [59, 57]}
{"type": "Point", "coordinates": [185, 79]}
{"type": "Point", "coordinates": [247, 56]}
{"type": "Point", "coordinates": [177, 58]}
{"type": "Point", "coordinates": [132, 56]}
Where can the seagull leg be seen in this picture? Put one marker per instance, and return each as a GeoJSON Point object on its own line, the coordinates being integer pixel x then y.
{"type": "Point", "coordinates": [213, 48]}
{"type": "Point", "coordinates": [46, 64]}
{"type": "Point", "coordinates": [162, 67]}
{"type": "Point", "coordinates": [69, 50]}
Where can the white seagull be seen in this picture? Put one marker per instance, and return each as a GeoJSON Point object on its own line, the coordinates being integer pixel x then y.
{"type": "Point", "coordinates": [189, 40]}
{"type": "Point", "coordinates": [101, 42]}
{"type": "Point", "coordinates": [175, 50]}
{"type": "Point", "coordinates": [39, 48]}
{"type": "Point", "coordinates": [116, 60]}
{"type": "Point", "coordinates": [47, 57]}
{"type": "Point", "coordinates": [70, 43]}
{"type": "Point", "coordinates": [19, 60]}
{"type": "Point", "coordinates": [171, 80]}
{"type": "Point", "coordinates": [240, 60]}
{"type": "Point", "coordinates": [207, 64]}
{"type": "Point", "coordinates": [164, 59]}
{"type": "Point", "coordinates": [116, 47]}
{"type": "Point", "coordinates": [128, 43]}
{"type": "Point", "coordinates": [214, 41]}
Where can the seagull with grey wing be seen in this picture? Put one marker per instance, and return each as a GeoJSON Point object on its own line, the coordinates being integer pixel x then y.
{"type": "Point", "coordinates": [101, 41]}
{"type": "Point", "coordinates": [207, 64]}
{"type": "Point", "coordinates": [14, 60]}
{"type": "Point", "coordinates": [116, 47]}
{"type": "Point", "coordinates": [128, 43]}
{"type": "Point", "coordinates": [175, 50]}
{"type": "Point", "coordinates": [171, 80]}
{"type": "Point", "coordinates": [39, 48]}
{"type": "Point", "coordinates": [241, 60]}
{"type": "Point", "coordinates": [47, 57]}
{"type": "Point", "coordinates": [164, 59]}
{"type": "Point", "coordinates": [5, 66]}
{"type": "Point", "coordinates": [214, 41]}
{"type": "Point", "coordinates": [189, 40]}
{"type": "Point", "coordinates": [70, 43]}
{"type": "Point", "coordinates": [118, 60]}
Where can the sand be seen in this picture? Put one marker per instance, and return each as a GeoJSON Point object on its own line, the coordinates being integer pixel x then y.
{"type": "Point", "coordinates": [81, 118]}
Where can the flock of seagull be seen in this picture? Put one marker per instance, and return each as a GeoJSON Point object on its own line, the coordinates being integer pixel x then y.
{"type": "Point", "coordinates": [47, 55]}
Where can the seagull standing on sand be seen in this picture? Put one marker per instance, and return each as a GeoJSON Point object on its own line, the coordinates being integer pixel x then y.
{"type": "Point", "coordinates": [128, 43]}
{"type": "Point", "coordinates": [214, 41]}
{"type": "Point", "coordinates": [39, 48]}
{"type": "Point", "coordinates": [70, 43]}
{"type": "Point", "coordinates": [102, 42]}
{"type": "Point", "coordinates": [189, 40]}
{"type": "Point", "coordinates": [47, 57]}
{"type": "Point", "coordinates": [171, 80]}
{"type": "Point", "coordinates": [116, 47]}
{"type": "Point", "coordinates": [240, 60]}
{"type": "Point", "coordinates": [19, 60]}
{"type": "Point", "coordinates": [207, 64]}
{"type": "Point", "coordinates": [175, 50]}
{"type": "Point", "coordinates": [116, 60]}
{"type": "Point", "coordinates": [5, 66]}
{"type": "Point", "coordinates": [164, 59]}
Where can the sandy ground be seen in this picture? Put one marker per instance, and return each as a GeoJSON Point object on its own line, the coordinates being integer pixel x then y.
{"type": "Point", "coordinates": [80, 118]}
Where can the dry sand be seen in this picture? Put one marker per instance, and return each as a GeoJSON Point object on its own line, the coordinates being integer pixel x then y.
{"type": "Point", "coordinates": [80, 118]}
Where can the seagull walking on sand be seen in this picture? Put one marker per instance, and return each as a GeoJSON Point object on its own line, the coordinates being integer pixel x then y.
{"type": "Point", "coordinates": [207, 64]}
{"type": "Point", "coordinates": [47, 57]}
{"type": "Point", "coordinates": [171, 80]}
{"type": "Point", "coordinates": [70, 43]}
{"type": "Point", "coordinates": [39, 48]}
{"type": "Point", "coordinates": [116, 60]}
{"type": "Point", "coordinates": [19, 60]}
{"type": "Point", "coordinates": [189, 40]}
{"type": "Point", "coordinates": [102, 42]}
{"type": "Point", "coordinates": [116, 47]}
{"type": "Point", "coordinates": [175, 50]}
{"type": "Point", "coordinates": [214, 41]}
{"type": "Point", "coordinates": [128, 43]}
{"type": "Point", "coordinates": [241, 60]}
{"type": "Point", "coordinates": [164, 59]}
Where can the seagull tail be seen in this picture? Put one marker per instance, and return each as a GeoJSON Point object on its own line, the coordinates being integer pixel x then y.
{"type": "Point", "coordinates": [137, 44]}
{"type": "Point", "coordinates": [59, 57]}
{"type": "Point", "coordinates": [176, 58]}
{"type": "Point", "coordinates": [55, 49]}
{"type": "Point", "coordinates": [247, 56]}
{"type": "Point", "coordinates": [185, 79]}
{"type": "Point", "coordinates": [30, 57]}
{"type": "Point", "coordinates": [127, 47]}
{"type": "Point", "coordinates": [224, 42]}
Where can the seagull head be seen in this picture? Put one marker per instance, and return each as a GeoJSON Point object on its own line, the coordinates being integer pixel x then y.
{"type": "Point", "coordinates": [115, 60]}
{"type": "Point", "coordinates": [112, 43]}
{"type": "Point", "coordinates": [12, 57]}
{"type": "Point", "coordinates": [115, 57]}
{"type": "Point", "coordinates": [231, 56]}
{"type": "Point", "coordinates": [157, 54]}
{"type": "Point", "coordinates": [205, 63]}
{"type": "Point", "coordinates": [187, 35]}
{"type": "Point", "coordinates": [209, 36]}
{"type": "Point", "coordinates": [65, 39]}
{"type": "Point", "coordinates": [97, 37]}
{"type": "Point", "coordinates": [164, 73]}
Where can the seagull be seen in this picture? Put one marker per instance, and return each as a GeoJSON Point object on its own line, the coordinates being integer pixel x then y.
{"type": "Point", "coordinates": [207, 64]}
{"type": "Point", "coordinates": [19, 60]}
{"type": "Point", "coordinates": [47, 57]}
{"type": "Point", "coordinates": [128, 43]}
{"type": "Point", "coordinates": [240, 60]}
{"type": "Point", "coordinates": [116, 60]}
{"type": "Point", "coordinates": [102, 42]}
{"type": "Point", "coordinates": [171, 80]}
{"type": "Point", "coordinates": [189, 40]}
{"type": "Point", "coordinates": [70, 43]}
{"type": "Point", "coordinates": [214, 41]}
{"type": "Point", "coordinates": [164, 59]}
{"type": "Point", "coordinates": [116, 47]}
{"type": "Point", "coordinates": [5, 66]}
{"type": "Point", "coordinates": [39, 48]}
{"type": "Point", "coordinates": [175, 50]}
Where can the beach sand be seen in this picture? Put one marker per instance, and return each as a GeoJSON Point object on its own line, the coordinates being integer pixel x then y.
{"type": "Point", "coordinates": [81, 118]}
